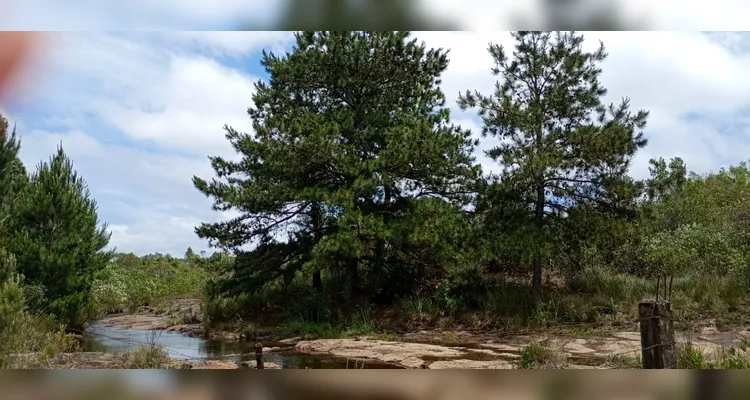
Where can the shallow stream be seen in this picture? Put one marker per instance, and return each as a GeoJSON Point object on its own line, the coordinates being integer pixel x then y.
{"type": "Point", "coordinates": [108, 339]}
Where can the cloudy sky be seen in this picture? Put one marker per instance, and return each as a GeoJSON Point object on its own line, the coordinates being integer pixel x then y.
{"type": "Point", "coordinates": [95, 15]}
{"type": "Point", "coordinates": [139, 112]}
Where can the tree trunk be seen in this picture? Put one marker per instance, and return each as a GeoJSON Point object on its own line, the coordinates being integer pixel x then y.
{"type": "Point", "coordinates": [353, 269]}
{"type": "Point", "coordinates": [536, 278]}
{"type": "Point", "coordinates": [317, 222]}
{"type": "Point", "coordinates": [317, 282]}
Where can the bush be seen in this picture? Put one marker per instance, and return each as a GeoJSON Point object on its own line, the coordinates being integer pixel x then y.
{"type": "Point", "coordinates": [149, 356]}
{"type": "Point", "coordinates": [147, 281]}
{"type": "Point", "coordinates": [22, 333]}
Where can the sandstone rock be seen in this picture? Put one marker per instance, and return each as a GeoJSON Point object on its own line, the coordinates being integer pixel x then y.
{"type": "Point", "coordinates": [501, 347]}
{"type": "Point", "coordinates": [470, 364]}
{"type": "Point", "coordinates": [266, 365]}
{"type": "Point", "coordinates": [389, 352]}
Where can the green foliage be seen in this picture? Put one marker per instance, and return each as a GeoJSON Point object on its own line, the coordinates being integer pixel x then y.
{"type": "Point", "coordinates": [353, 151]}
{"type": "Point", "coordinates": [356, 186]}
{"type": "Point", "coordinates": [538, 355]}
{"type": "Point", "coordinates": [130, 281]}
{"type": "Point", "coordinates": [22, 333]}
{"type": "Point", "coordinates": [694, 248]}
{"type": "Point", "coordinates": [56, 237]}
{"type": "Point", "coordinates": [13, 175]}
{"type": "Point", "coordinates": [562, 149]}
{"type": "Point", "coordinates": [149, 356]}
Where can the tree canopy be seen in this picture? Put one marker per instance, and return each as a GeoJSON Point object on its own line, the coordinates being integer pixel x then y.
{"type": "Point", "coordinates": [57, 239]}
{"type": "Point", "coordinates": [561, 148]}
{"type": "Point", "coordinates": [352, 138]}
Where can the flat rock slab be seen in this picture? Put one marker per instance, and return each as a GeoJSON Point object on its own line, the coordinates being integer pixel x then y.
{"type": "Point", "coordinates": [400, 353]}
{"type": "Point", "coordinates": [409, 355]}
{"type": "Point", "coordinates": [137, 321]}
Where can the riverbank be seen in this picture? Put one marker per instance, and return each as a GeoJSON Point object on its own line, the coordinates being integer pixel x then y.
{"type": "Point", "coordinates": [436, 349]}
{"type": "Point", "coordinates": [102, 360]}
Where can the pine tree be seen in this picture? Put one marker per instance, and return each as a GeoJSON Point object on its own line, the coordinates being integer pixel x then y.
{"type": "Point", "coordinates": [12, 172]}
{"type": "Point", "coordinates": [562, 148]}
{"type": "Point", "coordinates": [57, 239]}
{"type": "Point", "coordinates": [351, 135]}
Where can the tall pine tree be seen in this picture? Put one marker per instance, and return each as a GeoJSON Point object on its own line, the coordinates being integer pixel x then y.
{"type": "Point", "coordinates": [57, 239]}
{"type": "Point", "coordinates": [561, 148]}
{"type": "Point", "coordinates": [351, 128]}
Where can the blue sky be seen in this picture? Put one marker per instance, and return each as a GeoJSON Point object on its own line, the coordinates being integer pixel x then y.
{"type": "Point", "coordinates": [139, 112]}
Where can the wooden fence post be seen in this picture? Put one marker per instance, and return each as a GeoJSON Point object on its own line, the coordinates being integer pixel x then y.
{"type": "Point", "coordinates": [259, 356]}
{"type": "Point", "coordinates": [657, 335]}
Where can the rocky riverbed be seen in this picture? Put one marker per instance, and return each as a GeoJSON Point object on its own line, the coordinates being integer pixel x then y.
{"type": "Point", "coordinates": [425, 349]}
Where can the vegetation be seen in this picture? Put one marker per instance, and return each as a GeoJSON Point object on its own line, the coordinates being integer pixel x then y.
{"type": "Point", "coordinates": [22, 332]}
{"type": "Point", "coordinates": [361, 208]}
{"type": "Point", "coordinates": [538, 355]}
{"type": "Point", "coordinates": [357, 193]}
{"type": "Point", "coordinates": [130, 281]}
{"type": "Point", "coordinates": [149, 356]}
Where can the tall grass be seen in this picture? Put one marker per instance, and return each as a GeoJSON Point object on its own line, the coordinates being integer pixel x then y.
{"type": "Point", "coordinates": [149, 356]}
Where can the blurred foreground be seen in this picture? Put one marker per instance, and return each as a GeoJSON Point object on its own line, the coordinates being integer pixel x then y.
{"type": "Point", "coordinates": [414, 385]}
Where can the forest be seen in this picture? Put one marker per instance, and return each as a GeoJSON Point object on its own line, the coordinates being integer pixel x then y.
{"type": "Point", "coordinates": [361, 207]}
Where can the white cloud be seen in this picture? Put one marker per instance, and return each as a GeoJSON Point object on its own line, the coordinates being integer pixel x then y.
{"type": "Point", "coordinates": [186, 108]}
{"type": "Point", "coordinates": [174, 91]}
{"type": "Point", "coordinates": [235, 42]}
{"type": "Point", "coordinates": [147, 196]}
{"type": "Point", "coordinates": [668, 73]}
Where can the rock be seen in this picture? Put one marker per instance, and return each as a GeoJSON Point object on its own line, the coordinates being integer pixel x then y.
{"type": "Point", "coordinates": [631, 336]}
{"type": "Point", "coordinates": [266, 365]}
{"type": "Point", "coordinates": [470, 364]}
{"type": "Point", "coordinates": [86, 360]}
{"type": "Point", "coordinates": [225, 336]}
{"type": "Point", "coordinates": [400, 353]}
{"type": "Point", "coordinates": [619, 347]}
{"type": "Point", "coordinates": [501, 347]}
{"type": "Point", "coordinates": [413, 362]}
{"type": "Point", "coordinates": [576, 366]}
{"type": "Point", "coordinates": [578, 348]}
{"type": "Point", "coordinates": [213, 364]}
{"type": "Point", "coordinates": [176, 328]}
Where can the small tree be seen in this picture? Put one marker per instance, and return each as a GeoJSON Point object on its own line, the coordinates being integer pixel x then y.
{"type": "Point", "coordinates": [561, 148]}
{"type": "Point", "coordinates": [57, 239]}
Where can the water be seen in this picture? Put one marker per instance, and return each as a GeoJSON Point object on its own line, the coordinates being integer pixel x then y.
{"type": "Point", "coordinates": [109, 339]}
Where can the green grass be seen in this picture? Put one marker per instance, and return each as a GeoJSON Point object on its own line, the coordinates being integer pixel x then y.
{"type": "Point", "coordinates": [538, 355]}
{"type": "Point", "coordinates": [149, 356]}
{"type": "Point", "coordinates": [626, 362]}
{"type": "Point", "coordinates": [690, 357]}
{"type": "Point", "coordinates": [359, 324]}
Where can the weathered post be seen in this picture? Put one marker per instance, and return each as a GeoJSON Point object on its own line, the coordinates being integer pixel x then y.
{"type": "Point", "coordinates": [657, 335]}
{"type": "Point", "coordinates": [259, 356]}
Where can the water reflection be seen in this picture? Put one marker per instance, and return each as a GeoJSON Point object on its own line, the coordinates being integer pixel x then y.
{"type": "Point", "coordinates": [179, 346]}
